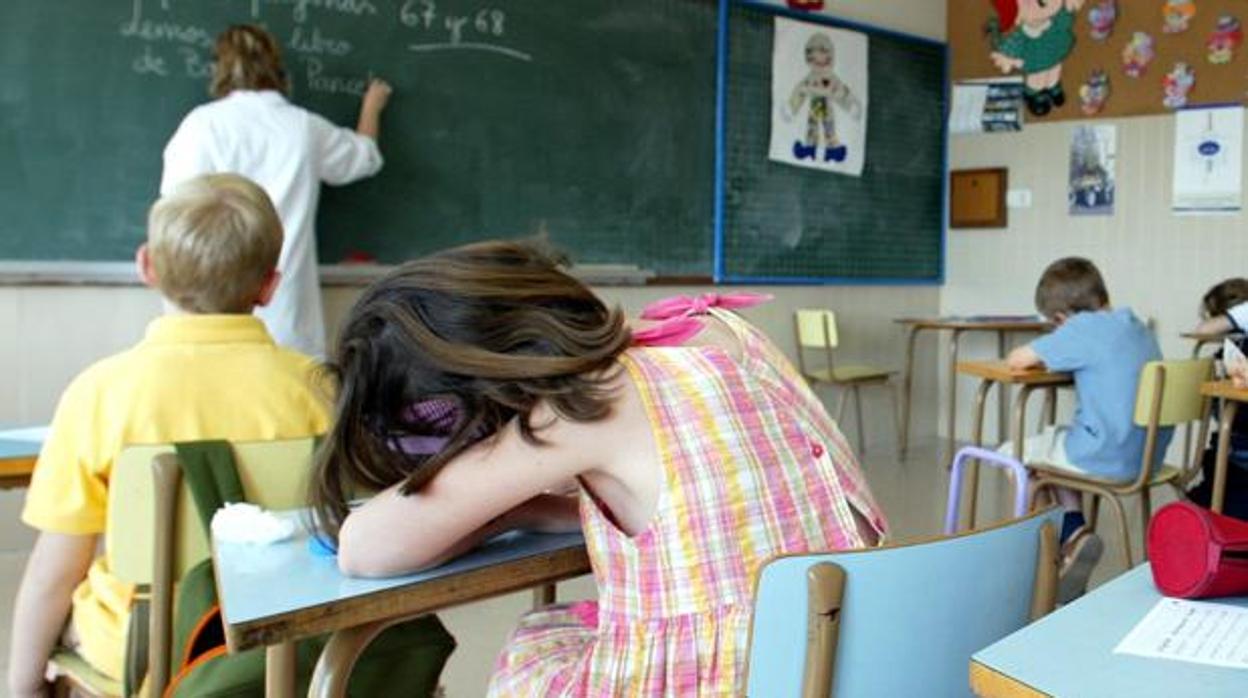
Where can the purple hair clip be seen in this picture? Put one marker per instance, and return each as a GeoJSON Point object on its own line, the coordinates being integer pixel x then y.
{"type": "Point", "coordinates": [431, 422]}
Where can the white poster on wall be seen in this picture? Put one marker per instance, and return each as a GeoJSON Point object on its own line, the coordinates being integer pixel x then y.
{"type": "Point", "coordinates": [819, 97]}
{"type": "Point", "coordinates": [1208, 161]}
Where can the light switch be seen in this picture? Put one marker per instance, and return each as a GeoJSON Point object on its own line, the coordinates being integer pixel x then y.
{"type": "Point", "coordinates": [1018, 198]}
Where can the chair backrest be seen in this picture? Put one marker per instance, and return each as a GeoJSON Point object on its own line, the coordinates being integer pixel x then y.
{"type": "Point", "coordinates": [910, 618]}
{"type": "Point", "coordinates": [274, 475]}
{"type": "Point", "coordinates": [816, 329]}
{"type": "Point", "coordinates": [1173, 391]}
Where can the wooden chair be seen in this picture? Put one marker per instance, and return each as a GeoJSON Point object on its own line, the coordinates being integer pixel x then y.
{"type": "Point", "coordinates": [1168, 396]}
{"type": "Point", "coordinates": [898, 620]}
{"type": "Point", "coordinates": [154, 537]}
{"type": "Point", "coordinates": [816, 331]}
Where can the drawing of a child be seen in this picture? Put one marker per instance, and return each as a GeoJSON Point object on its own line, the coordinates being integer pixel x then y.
{"type": "Point", "coordinates": [823, 88]}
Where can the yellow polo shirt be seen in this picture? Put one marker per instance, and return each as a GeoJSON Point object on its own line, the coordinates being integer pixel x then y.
{"type": "Point", "coordinates": [192, 377]}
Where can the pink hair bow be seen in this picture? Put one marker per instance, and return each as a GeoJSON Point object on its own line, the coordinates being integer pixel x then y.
{"type": "Point", "coordinates": [677, 316]}
{"type": "Point", "coordinates": [685, 306]}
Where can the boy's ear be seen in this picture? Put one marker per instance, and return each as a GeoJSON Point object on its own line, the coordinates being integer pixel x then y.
{"type": "Point", "coordinates": [143, 263]}
{"type": "Point", "coordinates": [1059, 318]}
{"type": "Point", "coordinates": [268, 288]}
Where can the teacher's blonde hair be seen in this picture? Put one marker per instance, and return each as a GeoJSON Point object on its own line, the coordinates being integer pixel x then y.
{"type": "Point", "coordinates": [213, 242]}
{"type": "Point", "coordinates": [247, 58]}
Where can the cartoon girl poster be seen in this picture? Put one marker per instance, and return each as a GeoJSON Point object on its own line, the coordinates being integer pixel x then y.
{"type": "Point", "coordinates": [819, 97]}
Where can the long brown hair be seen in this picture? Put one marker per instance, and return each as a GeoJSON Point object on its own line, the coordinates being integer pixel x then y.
{"type": "Point", "coordinates": [493, 328]}
{"type": "Point", "coordinates": [1224, 296]}
{"type": "Point", "coordinates": [247, 58]}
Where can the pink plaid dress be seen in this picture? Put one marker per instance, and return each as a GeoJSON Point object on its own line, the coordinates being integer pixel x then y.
{"type": "Point", "coordinates": [754, 467]}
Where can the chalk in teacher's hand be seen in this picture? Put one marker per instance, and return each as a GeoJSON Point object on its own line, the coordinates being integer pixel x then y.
{"type": "Point", "coordinates": [378, 92]}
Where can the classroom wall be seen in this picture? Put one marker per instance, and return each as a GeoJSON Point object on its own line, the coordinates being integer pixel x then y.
{"type": "Point", "coordinates": [1156, 263]}
{"type": "Point", "coordinates": [49, 333]}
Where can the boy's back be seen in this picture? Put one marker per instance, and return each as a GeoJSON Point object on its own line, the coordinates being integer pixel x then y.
{"type": "Point", "coordinates": [193, 377]}
{"type": "Point", "coordinates": [1105, 349]}
{"type": "Point", "coordinates": [208, 369]}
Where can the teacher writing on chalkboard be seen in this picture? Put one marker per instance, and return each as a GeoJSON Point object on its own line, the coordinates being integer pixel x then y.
{"type": "Point", "coordinates": [251, 129]}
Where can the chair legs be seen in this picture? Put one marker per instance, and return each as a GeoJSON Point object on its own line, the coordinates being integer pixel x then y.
{"type": "Point", "coordinates": [1146, 511]}
{"type": "Point", "coordinates": [862, 427]}
{"type": "Point", "coordinates": [840, 407]}
{"type": "Point", "coordinates": [1121, 514]}
{"type": "Point", "coordinates": [854, 391]}
{"type": "Point", "coordinates": [892, 401]}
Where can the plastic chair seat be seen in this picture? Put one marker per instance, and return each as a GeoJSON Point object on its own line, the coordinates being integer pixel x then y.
{"type": "Point", "coordinates": [1163, 475]}
{"type": "Point", "coordinates": [851, 374]}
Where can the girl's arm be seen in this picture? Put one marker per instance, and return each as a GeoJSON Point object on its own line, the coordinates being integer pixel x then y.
{"type": "Point", "coordinates": [1220, 324]}
{"type": "Point", "coordinates": [494, 486]}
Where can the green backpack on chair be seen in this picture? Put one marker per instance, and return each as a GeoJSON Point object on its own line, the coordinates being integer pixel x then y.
{"type": "Point", "coordinates": [405, 660]}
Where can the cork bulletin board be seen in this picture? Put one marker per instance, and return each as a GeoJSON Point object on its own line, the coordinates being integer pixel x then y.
{"type": "Point", "coordinates": [971, 46]}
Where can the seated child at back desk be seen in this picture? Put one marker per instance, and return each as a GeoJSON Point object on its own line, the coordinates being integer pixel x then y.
{"type": "Point", "coordinates": [1104, 348]}
{"type": "Point", "coordinates": [1225, 309]}
{"type": "Point", "coordinates": [207, 369]}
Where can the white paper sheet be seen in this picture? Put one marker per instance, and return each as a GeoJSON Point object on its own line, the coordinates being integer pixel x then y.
{"type": "Point", "coordinates": [1191, 631]}
{"type": "Point", "coordinates": [1208, 160]}
{"type": "Point", "coordinates": [967, 113]}
{"type": "Point", "coordinates": [986, 106]}
{"type": "Point", "coordinates": [819, 97]}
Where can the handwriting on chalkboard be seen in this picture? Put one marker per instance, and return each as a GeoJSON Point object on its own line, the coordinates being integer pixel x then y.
{"type": "Point", "coordinates": [170, 47]}
{"type": "Point", "coordinates": [480, 29]}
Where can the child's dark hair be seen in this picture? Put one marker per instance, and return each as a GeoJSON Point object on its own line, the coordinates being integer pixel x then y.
{"type": "Point", "coordinates": [1070, 285]}
{"type": "Point", "coordinates": [493, 328]}
{"type": "Point", "coordinates": [1224, 296]}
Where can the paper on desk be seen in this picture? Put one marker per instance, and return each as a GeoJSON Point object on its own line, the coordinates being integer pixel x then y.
{"type": "Point", "coordinates": [1191, 631]}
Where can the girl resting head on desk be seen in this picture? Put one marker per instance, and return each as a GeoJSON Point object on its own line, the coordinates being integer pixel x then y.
{"type": "Point", "coordinates": [479, 385]}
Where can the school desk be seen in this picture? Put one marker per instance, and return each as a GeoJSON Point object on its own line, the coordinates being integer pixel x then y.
{"type": "Point", "coordinates": [992, 373]}
{"type": "Point", "coordinates": [19, 449]}
{"type": "Point", "coordinates": [1002, 325]}
{"type": "Point", "coordinates": [1070, 653]}
{"type": "Point", "coordinates": [272, 595]}
{"type": "Point", "coordinates": [1230, 397]}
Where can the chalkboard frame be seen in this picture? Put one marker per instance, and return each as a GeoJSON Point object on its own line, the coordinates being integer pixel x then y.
{"type": "Point", "coordinates": [719, 261]}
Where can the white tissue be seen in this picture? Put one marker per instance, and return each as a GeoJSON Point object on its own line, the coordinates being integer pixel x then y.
{"type": "Point", "coordinates": [248, 523]}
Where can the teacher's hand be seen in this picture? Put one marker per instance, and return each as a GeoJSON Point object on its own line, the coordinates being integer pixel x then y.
{"type": "Point", "coordinates": [377, 95]}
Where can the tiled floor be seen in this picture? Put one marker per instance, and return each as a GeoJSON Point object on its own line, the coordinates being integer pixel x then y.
{"type": "Point", "coordinates": [912, 493]}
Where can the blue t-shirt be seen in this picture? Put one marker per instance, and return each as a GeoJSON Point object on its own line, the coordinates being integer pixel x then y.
{"type": "Point", "coordinates": [1105, 351]}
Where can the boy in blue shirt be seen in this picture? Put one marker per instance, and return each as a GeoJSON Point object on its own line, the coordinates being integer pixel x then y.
{"type": "Point", "coordinates": [1104, 348]}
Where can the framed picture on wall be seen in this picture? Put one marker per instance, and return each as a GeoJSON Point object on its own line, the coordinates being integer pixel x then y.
{"type": "Point", "coordinates": [977, 198]}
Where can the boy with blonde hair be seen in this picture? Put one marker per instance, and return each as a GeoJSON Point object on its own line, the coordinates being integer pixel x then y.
{"type": "Point", "coordinates": [207, 369]}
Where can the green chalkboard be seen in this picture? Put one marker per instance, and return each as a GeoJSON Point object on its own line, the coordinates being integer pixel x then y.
{"type": "Point", "coordinates": [788, 224]}
{"type": "Point", "coordinates": [590, 119]}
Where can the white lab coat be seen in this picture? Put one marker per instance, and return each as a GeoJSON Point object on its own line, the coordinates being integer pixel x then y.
{"type": "Point", "coordinates": [288, 151]}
